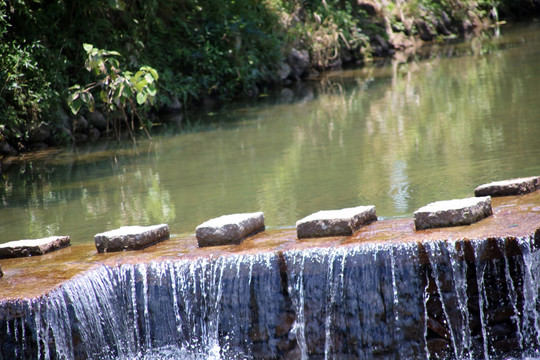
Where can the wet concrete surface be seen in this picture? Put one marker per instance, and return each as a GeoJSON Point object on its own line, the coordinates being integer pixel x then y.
{"type": "Point", "coordinates": [513, 218]}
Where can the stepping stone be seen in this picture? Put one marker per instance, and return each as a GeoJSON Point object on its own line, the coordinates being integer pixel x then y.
{"type": "Point", "coordinates": [335, 222]}
{"type": "Point", "coordinates": [229, 229]}
{"type": "Point", "coordinates": [131, 238]}
{"type": "Point", "coordinates": [509, 187]}
{"type": "Point", "coordinates": [452, 212]}
{"type": "Point", "coordinates": [32, 247]}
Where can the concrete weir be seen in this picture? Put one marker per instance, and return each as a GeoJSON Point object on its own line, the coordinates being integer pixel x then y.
{"type": "Point", "coordinates": [452, 212]}
{"type": "Point", "coordinates": [387, 291]}
{"type": "Point", "coordinates": [229, 229]}
{"type": "Point", "coordinates": [335, 222]}
{"type": "Point", "coordinates": [131, 238]}
{"type": "Point", "coordinates": [33, 247]}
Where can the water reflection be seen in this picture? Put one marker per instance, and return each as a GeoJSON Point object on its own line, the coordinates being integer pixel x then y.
{"type": "Point", "coordinates": [397, 136]}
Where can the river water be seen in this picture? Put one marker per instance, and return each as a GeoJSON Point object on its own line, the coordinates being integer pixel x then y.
{"type": "Point", "coordinates": [397, 135]}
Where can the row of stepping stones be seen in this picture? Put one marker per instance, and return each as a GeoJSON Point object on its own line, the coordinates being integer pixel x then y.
{"type": "Point", "coordinates": [233, 229]}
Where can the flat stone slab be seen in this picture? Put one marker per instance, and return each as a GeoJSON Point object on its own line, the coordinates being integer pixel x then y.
{"type": "Point", "coordinates": [32, 247]}
{"type": "Point", "coordinates": [452, 212]}
{"type": "Point", "coordinates": [335, 222]}
{"type": "Point", "coordinates": [511, 187]}
{"type": "Point", "coordinates": [131, 238]}
{"type": "Point", "coordinates": [229, 229]}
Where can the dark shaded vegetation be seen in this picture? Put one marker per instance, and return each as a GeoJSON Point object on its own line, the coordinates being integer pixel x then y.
{"type": "Point", "coordinates": [200, 48]}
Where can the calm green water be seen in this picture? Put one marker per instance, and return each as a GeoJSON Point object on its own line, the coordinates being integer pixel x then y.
{"type": "Point", "coordinates": [397, 136]}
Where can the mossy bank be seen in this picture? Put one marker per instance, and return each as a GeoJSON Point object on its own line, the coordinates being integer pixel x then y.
{"type": "Point", "coordinates": [201, 49]}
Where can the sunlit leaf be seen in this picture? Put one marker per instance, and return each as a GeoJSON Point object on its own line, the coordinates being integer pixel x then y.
{"type": "Point", "coordinates": [111, 53]}
{"type": "Point", "coordinates": [103, 96]}
{"type": "Point", "coordinates": [74, 96]}
{"type": "Point", "coordinates": [139, 86]}
{"type": "Point", "coordinates": [84, 97]}
{"type": "Point", "coordinates": [75, 106]}
{"type": "Point", "coordinates": [117, 5]}
{"type": "Point", "coordinates": [152, 71]}
{"type": "Point", "coordinates": [141, 98]}
{"type": "Point", "coordinates": [138, 75]}
{"type": "Point", "coordinates": [149, 78]}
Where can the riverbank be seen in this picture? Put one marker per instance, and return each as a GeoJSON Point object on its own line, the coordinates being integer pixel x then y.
{"type": "Point", "coordinates": [202, 53]}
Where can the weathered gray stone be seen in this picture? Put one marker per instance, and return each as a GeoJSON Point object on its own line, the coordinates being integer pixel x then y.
{"type": "Point", "coordinates": [335, 222]}
{"type": "Point", "coordinates": [380, 45]}
{"type": "Point", "coordinates": [372, 8]}
{"type": "Point", "coordinates": [7, 149]}
{"type": "Point", "coordinates": [61, 117]}
{"type": "Point", "coordinates": [80, 124]}
{"type": "Point", "coordinates": [229, 229]}
{"type": "Point", "coordinates": [452, 212]}
{"type": "Point", "coordinates": [174, 107]}
{"type": "Point", "coordinates": [97, 120]}
{"type": "Point", "coordinates": [93, 134]}
{"type": "Point", "coordinates": [298, 61]}
{"type": "Point", "coordinates": [38, 146]}
{"type": "Point", "coordinates": [61, 136]}
{"type": "Point", "coordinates": [80, 138]}
{"type": "Point", "coordinates": [284, 71]}
{"type": "Point", "coordinates": [131, 238]}
{"type": "Point", "coordinates": [39, 133]}
{"type": "Point", "coordinates": [425, 30]}
{"type": "Point", "coordinates": [32, 247]}
{"type": "Point", "coordinates": [518, 186]}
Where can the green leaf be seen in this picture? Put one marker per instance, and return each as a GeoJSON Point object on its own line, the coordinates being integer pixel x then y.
{"type": "Point", "coordinates": [139, 86]}
{"type": "Point", "coordinates": [74, 96]}
{"type": "Point", "coordinates": [114, 63]}
{"type": "Point", "coordinates": [128, 91]}
{"type": "Point", "coordinates": [141, 98]}
{"type": "Point", "coordinates": [151, 90]}
{"type": "Point", "coordinates": [103, 96]}
{"type": "Point", "coordinates": [84, 96]}
{"type": "Point", "coordinates": [149, 78]}
{"type": "Point", "coordinates": [137, 76]}
{"type": "Point", "coordinates": [151, 70]}
{"type": "Point", "coordinates": [75, 106]}
{"type": "Point", "coordinates": [154, 73]}
{"type": "Point", "coordinates": [117, 5]}
{"type": "Point", "coordinates": [91, 103]}
{"type": "Point", "coordinates": [111, 53]}
{"type": "Point", "coordinates": [88, 47]}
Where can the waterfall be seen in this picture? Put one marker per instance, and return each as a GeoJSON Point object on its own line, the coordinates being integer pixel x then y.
{"type": "Point", "coordinates": [445, 299]}
{"type": "Point", "coordinates": [199, 309]}
{"type": "Point", "coordinates": [351, 302]}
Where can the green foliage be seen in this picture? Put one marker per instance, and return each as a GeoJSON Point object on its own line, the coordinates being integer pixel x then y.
{"type": "Point", "coordinates": [118, 90]}
{"type": "Point", "coordinates": [217, 48]}
{"type": "Point", "coordinates": [26, 94]}
{"type": "Point", "coordinates": [325, 28]}
{"type": "Point", "coordinates": [199, 47]}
